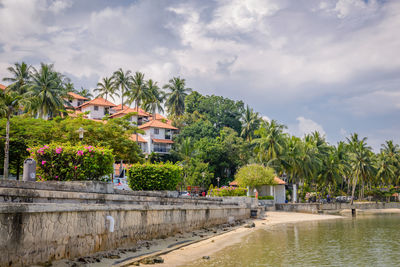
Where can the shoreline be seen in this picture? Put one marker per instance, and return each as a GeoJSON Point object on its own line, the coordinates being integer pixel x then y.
{"type": "Point", "coordinates": [213, 244]}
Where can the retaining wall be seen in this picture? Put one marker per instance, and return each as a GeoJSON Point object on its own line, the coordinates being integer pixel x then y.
{"type": "Point", "coordinates": [334, 207]}
{"type": "Point", "coordinates": [42, 222]}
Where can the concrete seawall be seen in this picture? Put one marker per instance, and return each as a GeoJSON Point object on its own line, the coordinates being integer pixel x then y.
{"type": "Point", "coordinates": [42, 222]}
{"type": "Point", "coordinates": [334, 207]}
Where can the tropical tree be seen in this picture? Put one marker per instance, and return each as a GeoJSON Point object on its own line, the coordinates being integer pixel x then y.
{"type": "Point", "coordinates": [46, 92]}
{"type": "Point", "coordinates": [155, 98]}
{"type": "Point", "coordinates": [85, 93]}
{"type": "Point", "coordinates": [138, 90]}
{"type": "Point", "coordinates": [176, 96]}
{"type": "Point", "coordinates": [122, 80]}
{"type": "Point", "coordinates": [9, 103]}
{"type": "Point", "coordinates": [250, 122]}
{"type": "Point", "coordinates": [106, 88]}
{"type": "Point", "coordinates": [20, 76]}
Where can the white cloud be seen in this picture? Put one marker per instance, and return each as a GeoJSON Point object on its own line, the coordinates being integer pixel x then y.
{"type": "Point", "coordinates": [266, 118]}
{"type": "Point", "coordinates": [307, 126]}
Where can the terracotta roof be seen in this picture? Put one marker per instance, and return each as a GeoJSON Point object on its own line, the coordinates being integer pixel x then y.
{"type": "Point", "coordinates": [279, 180]}
{"type": "Point", "coordinates": [157, 124]}
{"type": "Point", "coordinates": [98, 102]}
{"type": "Point", "coordinates": [163, 141]}
{"type": "Point", "coordinates": [160, 117]}
{"type": "Point", "coordinates": [76, 96]}
{"type": "Point", "coordinates": [75, 113]}
{"type": "Point", "coordinates": [234, 183]}
{"type": "Point", "coordinates": [3, 87]}
{"type": "Point", "coordinates": [140, 139]}
{"type": "Point", "coordinates": [119, 107]}
{"type": "Point", "coordinates": [102, 121]}
{"type": "Point", "coordinates": [123, 112]}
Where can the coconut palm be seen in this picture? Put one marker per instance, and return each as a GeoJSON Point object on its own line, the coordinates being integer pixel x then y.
{"type": "Point", "coordinates": [20, 76]}
{"type": "Point", "coordinates": [122, 80]}
{"type": "Point", "coordinates": [155, 98]}
{"type": "Point", "coordinates": [9, 103]}
{"type": "Point", "coordinates": [175, 101]}
{"type": "Point", "coordinates": [85, 93]}
{"type": "Point", "coordinates": [106, 88]}
{"type": "Point", "coordinates": [250, 122]}
{"type": "Point", "coordinates": [138, 90]}
{"type": "Point", "coordinates": [46, 92]}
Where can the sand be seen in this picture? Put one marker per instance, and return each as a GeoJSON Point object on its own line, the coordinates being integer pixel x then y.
{"type": "Point", "coordinates": [212, 245]}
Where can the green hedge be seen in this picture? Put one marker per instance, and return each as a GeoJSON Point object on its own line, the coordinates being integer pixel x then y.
{"type": "Point", "coordinates": [148, 176]}
{"type": "Point", "coordinates": [64, 162]}
{"type": "Point", "coordinates": [264, 197]}
{"type": "Point", "coordinates": [226, 191]}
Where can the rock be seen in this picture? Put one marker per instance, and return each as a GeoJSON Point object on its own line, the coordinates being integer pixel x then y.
{"type": "Point", "coordinates": [147, 261]}
{"type": "Point", "coordinates": [136, 263]}
{"type": "Point", "coordinates": [158, 260]}
{"type": "Point", "coordinates": [214, 231]}
{"type": "Point", "coordinates": [212, 241]}
{"type": "Point", "coordinates": [206, 257]}
{"type": "Point", "coordinates": [250, 225]}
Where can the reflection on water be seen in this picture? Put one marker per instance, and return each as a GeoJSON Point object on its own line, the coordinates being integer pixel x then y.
{"type": "Point", "coordinates": [362, 241]}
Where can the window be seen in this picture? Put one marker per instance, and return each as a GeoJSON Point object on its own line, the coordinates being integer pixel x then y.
{"type": "Point", "coordinates": [70, 101]}
{"type": "Point", "coordinates": [106, 111]}
{"type": "Point", "coordinates": [156, 131]}
{"type": "Point", "coordinates": [96, 108]}
{"type": "Point", "coordinates": [79, 103]}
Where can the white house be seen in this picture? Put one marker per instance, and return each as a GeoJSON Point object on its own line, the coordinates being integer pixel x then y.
{"type": "Point", "coordinates": [158, 135]}
{"type": "Point", "coordinates": [76, 100]}
{"type": "Point", "coordinates": [98, 107]}
{"type": "Point", "coordinates": [139, 118]}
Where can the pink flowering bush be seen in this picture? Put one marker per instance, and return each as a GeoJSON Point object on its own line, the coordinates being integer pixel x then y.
{"type": "Point", "coordinates": [67, 162]}
{"type": "Point", "coordinates": [225, 191]}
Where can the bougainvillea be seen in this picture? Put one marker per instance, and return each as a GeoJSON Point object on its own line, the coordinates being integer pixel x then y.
{"type": "Point", "coordinates": [67, 163]}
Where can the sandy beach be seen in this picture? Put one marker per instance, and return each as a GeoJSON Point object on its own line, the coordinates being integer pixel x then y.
{"type": "Point", "coordinates": [212, 245]}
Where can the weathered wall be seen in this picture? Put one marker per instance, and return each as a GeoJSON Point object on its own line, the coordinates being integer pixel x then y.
{"type": "Point", "coordinates": [334, 207]}
{"type": "Point", "coordinates": [38, 232]}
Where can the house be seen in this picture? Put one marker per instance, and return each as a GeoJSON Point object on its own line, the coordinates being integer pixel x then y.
{"type": "Point", "coordinates": [141, 142]}
{"type": "Point", "coordinates": [76, 100]}
{"type": "Point", "coordinates": [2, 87]}
{"type": "Point", "coordinates": [158, 135]}
{"type": "Point", "coordinates": [277, 190]}
{"type": "Point", "coordinates": [98, 108]}
{"type": "Point", "coordinates": [139, 118]}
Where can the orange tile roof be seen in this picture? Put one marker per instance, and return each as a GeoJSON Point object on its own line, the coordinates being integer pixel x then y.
{"type": "Point", "coordinates": [3, 87]}
{"type": "Point", "coordinates": [123, 112]}
{"type": "Point", "coordinates": [157, 124]}
{"type": "Point", "coordinates": [119, 107]}
{"type": "Point", "coordinates": [163, 141]}
{"type": "Point", "coordinates": [160, 117]}
{"type": "Point", "coordinates": [76, 96]}
{"type": "Point", "coordinates": [98, 102]}
{"type": "Point", "coordinates": [75, 113]}
{"type": "Point", "coordinates": [278, 180]}
{"type": "Point", "coordinates": [140, 139]}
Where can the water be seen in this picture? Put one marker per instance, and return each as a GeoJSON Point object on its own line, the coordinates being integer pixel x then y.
{"type": "Point", "coordinates": [363, 241]}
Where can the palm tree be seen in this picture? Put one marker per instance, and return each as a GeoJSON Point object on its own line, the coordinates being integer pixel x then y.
{"type": "Point", "coordinates": [251, 121]}
{"type": "Point", "coordinates": [122, 80]}
{"type": "Point", "coordinates": [20, 76]}
{"type": "Point", "coordinates": [292, 162]}
{"type": "Point", "coordinates": [138, 90]}
{"type": "Point", "coordinates": [176, 97]}
{"type": "Point", "coordinates": [106, 87]}
{"type": "Point", "coordinates": [155, 98]}
{"type": "Point", "coordinates": [85, 93]}
{"type": "Point", "coordinates": [9, 103]}
{"type": "Point", "coordinates": [46, 92]}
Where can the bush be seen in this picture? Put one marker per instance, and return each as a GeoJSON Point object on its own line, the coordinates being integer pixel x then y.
{"type": "Point", "coordinates": [255, 175]}
{"type": "Point", "coordinates": [227, 191]}
{"type": "Point", "coordinates": [264, 197]}
{"type": "Point", "coordinates": [64, 162]}
{"type": "Point", "coordinates": [148, 176]}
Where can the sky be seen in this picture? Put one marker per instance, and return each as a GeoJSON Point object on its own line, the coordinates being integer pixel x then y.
{"type": "Point", "coordinates": [326, 65]}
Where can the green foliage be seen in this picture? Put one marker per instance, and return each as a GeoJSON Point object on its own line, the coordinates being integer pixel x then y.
{"type": "Point", "coordinates": [198, 173]}
{"type": "Point", "coordinates": [227, 191]}
{"type": "Point", "coordinates": [65, 162]}
{"type": "Point", "coordinates": [148, 176]}
{"type": "Point", "coordinates": [255, 175]}
{"type": "Point", "coordinates": [264, 197]}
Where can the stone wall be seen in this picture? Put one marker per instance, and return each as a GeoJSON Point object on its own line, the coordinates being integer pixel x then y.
{"type": "Point", "coordinates": [60, 224]}
{"type": "Point", "coordinates": [334, 207]}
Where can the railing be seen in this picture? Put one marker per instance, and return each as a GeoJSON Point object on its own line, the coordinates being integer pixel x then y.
{"type": "Point", "coordinates": [162, 149]}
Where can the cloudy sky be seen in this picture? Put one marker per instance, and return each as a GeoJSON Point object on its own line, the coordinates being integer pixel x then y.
{"type": "Point", "coordinates": [326, 65]}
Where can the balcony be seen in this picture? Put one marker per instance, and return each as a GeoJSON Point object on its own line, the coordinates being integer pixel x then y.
{"type": "Point", "coordinates": [161, 149]}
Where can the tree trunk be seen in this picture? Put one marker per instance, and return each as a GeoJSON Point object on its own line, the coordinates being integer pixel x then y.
{"type": "Point", "coordinates": [18, 167]}
{"type": "Point", "coordinates": [6, 148]}
{"type": "Point", "coordinates": [353, 190]}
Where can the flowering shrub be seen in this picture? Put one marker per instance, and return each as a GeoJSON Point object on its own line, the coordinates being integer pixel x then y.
{"type": "Point", "coordinates": [227, 191]}
{"type": "Point", "coordinates": [67, 163]}
{"type": "Point", "coordinates": [148, 176]}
